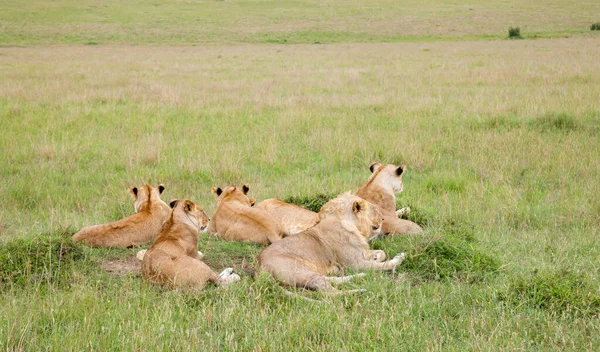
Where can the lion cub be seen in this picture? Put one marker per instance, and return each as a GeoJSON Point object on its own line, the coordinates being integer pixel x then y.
{"type": "Point", "coordinates": [173, 260]}
{"type": "Point", "coordinates": [290, 218]}
{"type": "Point", "coordinates": [234, 218]}
{"type": "Point", "coordinates": [339, 240]}
{"type": "Point", "coordinates": [134, 230]}
{"type": "Point", "coordinates": [380, 189]}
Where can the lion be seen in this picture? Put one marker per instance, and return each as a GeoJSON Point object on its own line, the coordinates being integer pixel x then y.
{"type": "Point", "coordinates": [380, 189]}
{"type": "Point", "coordinates": [134, 230]}
{"type": "Point", "coordinates": [339, 240]}
{"type": "Point", "coordinates": [290, 218]}
{"type": "Point", "coordinates": [174, 261]}
{"type": "Point", "coordinates": [235, 219]}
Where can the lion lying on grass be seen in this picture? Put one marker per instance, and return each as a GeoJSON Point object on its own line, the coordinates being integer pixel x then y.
{"type": "Point", "coordinates": [235, 219]}
{"type": "Point", "coordinates": [339, 240]}
{"type": "Point", "coordinates": [134, 230]}
{"type": "Point", "coordinates": [290, 218]}
{"type": "Point", "coordinates": [380, 189]}
{"type": "Point", "coordinates": [173, 260]}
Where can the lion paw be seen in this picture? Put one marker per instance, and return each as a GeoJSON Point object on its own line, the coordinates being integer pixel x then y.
{"type": "Point", "coordinates": [229, 279]}
{"type": "Point", "coordinates": [403, 212]}
{"type": "Point", "coordinates": [226, 273]}
{"type": "Point", "coordinates": [399, 258]}
{"type": "Point", "coordinates": [379, 256]}
{"type": "Point", "coordinates": [140, 255]}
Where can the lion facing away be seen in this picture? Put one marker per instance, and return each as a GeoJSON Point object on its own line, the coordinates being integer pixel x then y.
{"type": "Point", "coordinates": [290, 218]}
{"type": "Point", "coordinates": [234, 218]}
{"type": "Point", "coordinates": [339, 240]}
{"type": "Point", "coordinates": [173, 260]}
{"type": "Point", "coordinates": [134, 230]}
{"type": "Point", "coordinates": [380, 189]}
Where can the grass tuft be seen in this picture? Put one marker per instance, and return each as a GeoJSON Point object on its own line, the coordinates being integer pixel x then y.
{"type": "Point", "coordinates": [556, 292]}
{"type": "Point", "coordinates": [45, 260]}
{"type": "Point", "coordinates": [313, 203]}
{"type": "Point", "coordinates": [455, 256]}
{"type": "Point", "coordinates": [556, 122]}
{"type": "Point", "coordinates": [595, 26]}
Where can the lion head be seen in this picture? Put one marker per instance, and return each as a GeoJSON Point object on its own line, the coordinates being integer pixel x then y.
{"type": "Point", "coordinates": [189, 212]}
{"type": "Point", "coordinates": [388, 174]}
{"type": "Point", "coordinates": [233, 193]}
{"type": "Point", "coordinates": [355, 214]}
{"type": "Point", "coordinates": [144, 196]}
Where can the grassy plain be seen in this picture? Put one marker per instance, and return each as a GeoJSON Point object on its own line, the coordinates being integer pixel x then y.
{"type": "Point", "coordinates": [286, 21]}
{"type": "Point", "coordinates": [501, 139]}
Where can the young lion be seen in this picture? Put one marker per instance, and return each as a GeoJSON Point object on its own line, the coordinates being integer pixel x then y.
{"type": "Point", "coordinates": [173, 260]}
{"type": "Point", "coordinates": [380, 189]}
{"type": "Point", "coordinates": [339, 240]}
{"type": "Point", "coordinates": [234, 218]}
{"type": "Point", "coordinates": [134, 230]}
{"type": "Point", "coordinates": [290, 218]}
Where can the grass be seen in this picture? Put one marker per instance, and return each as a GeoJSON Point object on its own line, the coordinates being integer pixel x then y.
{"type": "Point", "coordinates": [500, 139]}
{"type": "Point", "coordinates": [284, 22]}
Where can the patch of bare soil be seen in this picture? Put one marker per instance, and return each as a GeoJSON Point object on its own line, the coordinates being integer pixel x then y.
{"type": "Point", "coordinates": [123, 267]}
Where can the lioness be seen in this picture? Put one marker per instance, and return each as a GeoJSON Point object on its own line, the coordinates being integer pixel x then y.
{"type": "Point", "coordinates": [173, 260]}
{"type": "Point", "coordinates": [234, 218]}
{"type": "Point", "coordinates": [380, 189]}
{"type": "Point", "coordinates": [134, 230]}
{"type": "Point", "coordinates": [290, 218]}
{"type": "Point", "coordinates": [339, 240]}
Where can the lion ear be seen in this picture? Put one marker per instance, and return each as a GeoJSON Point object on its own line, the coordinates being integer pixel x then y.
{"type": "Point", "coordinates": [188, 205]}
{"type": "Point", "coordinates": [161, 188]}
{"type": "Point", "coordinates": [245, 188]}
{"type": "Point", "coordinates": [400, 170]}
{"type": "Point", "coordinates": [374, 166]}
{"type": "Point", "coordinates": [217, 191]}
{"type": "Point", "coordinates": [133, 191]}
{"type": "Point", "coordinates": [173, 203]}
{"type": "Point", "coordinates": [252, 201]}
{"type": "Point", "coordinates": [357, 206]}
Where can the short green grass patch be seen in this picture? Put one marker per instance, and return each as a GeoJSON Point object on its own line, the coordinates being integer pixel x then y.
{"type": "Point", "coordinates": [313, 203]}
{"type": "Point", "coordinates": [45, 260]}
{"type": "Point", "coordinates": [595, 26]}
{"type": "Point", "coordinates": [557, 292]}
{"type": "Point", "coordinates": [443, 255]}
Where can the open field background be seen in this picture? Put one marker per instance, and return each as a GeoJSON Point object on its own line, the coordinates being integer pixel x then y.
{"type": "Point", "coordinates": [286, 21]}
{"type": "Point", "coordinates": [501, 139]}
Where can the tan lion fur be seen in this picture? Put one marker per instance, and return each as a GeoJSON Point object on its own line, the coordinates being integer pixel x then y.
{"type": "Point", "coordinates": [173, 260]}
{"type": "Point", "coordinates": [339, 240]}
{"type": "Point", "coordinates": [290, 218]}
{"type": "Point", "coordinates": [234, 218]}
{"type": "Point", "coordinates": [134, 230]}
{"type": "Point", "coordinates": [380, 189]}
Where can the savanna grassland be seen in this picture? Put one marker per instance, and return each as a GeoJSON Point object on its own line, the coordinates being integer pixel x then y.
{"type": "Point", "coordinates": [501, 139]}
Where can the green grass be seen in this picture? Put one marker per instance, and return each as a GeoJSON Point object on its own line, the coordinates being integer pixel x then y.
{"type": "Point", "coordinates": [500, 139]}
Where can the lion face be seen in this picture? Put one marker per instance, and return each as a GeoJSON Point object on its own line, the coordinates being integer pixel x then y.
{"type": "Point", "coordinates": [388, 174]}
{"type": "Point", "coordinates": [145, 195]}
{"type": "Point", "coordinates": [192, 212]}
{"type": "Point", "coordinates": [233, 193]}
{"type": "Point", "coordinates": [355, 213]}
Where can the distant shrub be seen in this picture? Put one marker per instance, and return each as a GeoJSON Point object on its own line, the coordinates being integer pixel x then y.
{"type": "Point", "coordinates": [556, 292]}
{"type": "Point", "coordinates": [514, 33]}
{"type": "Point", "coordinates": [595, 26]}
